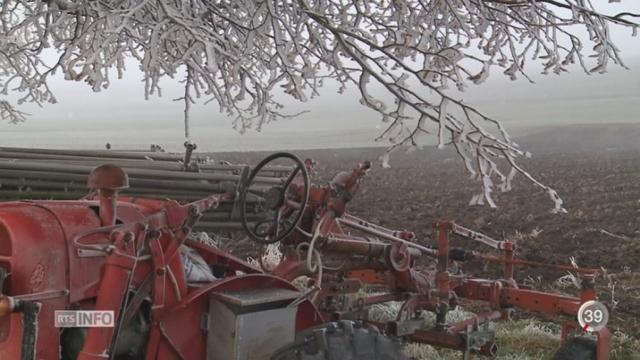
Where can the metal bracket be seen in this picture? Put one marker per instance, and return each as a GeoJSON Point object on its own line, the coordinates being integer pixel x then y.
{"type": "Point", "coordinates": [405, 327]}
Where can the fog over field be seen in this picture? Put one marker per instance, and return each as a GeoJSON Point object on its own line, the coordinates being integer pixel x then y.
{"type": "Point", "coordinates": [121, 116]}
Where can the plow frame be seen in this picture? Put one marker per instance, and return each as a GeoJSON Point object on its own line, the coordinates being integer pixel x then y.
{"type": "Point", "coordinates": [365, 260]}
{"type": "Point", "coordinates": [143, 255]}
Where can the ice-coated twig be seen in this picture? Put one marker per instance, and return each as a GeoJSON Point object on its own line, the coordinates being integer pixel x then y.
{"type": "Point", "coordinates": [239, 54]}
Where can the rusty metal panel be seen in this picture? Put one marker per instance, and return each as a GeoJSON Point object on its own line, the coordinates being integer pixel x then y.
{"type": "Point", "coordinates": [34, 252]}
{"type": "Point", "coordinates": [252, 332]}
{"type": "Point", "coordinates": [255, 297]}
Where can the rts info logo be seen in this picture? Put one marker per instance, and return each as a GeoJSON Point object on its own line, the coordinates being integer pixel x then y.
{"type": "Point", "coordinates": [72, 318]}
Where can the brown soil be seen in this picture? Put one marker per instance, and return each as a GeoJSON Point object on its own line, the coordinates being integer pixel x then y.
{"type": "Point", "coordinates": [601, 191]}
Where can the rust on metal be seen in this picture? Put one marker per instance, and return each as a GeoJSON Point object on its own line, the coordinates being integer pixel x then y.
{"type": "Point", "coordinates": [7, 305]}
{"type": "Point", "coordinates": [108, 177]}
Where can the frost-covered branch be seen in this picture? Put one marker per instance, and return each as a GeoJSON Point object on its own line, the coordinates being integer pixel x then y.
{"type": "Point", "coordinates": [8, 112]}
{"type": "Point", "coordinates": [239, 54]}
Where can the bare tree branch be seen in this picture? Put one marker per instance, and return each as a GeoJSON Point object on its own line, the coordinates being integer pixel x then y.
{"type": "Point", "coordinates": [237, 53]}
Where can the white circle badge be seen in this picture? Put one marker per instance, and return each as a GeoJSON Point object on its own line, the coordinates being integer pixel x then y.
{"type": "Point", "coordinates": [593, 316]}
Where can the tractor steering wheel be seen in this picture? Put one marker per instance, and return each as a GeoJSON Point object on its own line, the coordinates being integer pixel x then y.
{"type": "Point", "coordinates": [287, 213]}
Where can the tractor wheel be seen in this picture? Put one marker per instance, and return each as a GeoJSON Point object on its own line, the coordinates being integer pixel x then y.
{"type": "Point", "coordinates": [343, 340]}
{"type": "Point", "coordinates": [577, 348]}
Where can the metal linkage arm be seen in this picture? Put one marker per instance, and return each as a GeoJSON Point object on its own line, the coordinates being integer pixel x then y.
{"type": "Point", "coordinates": [383, 233]}
{"type": "Point", "coordinates": [474, 235]}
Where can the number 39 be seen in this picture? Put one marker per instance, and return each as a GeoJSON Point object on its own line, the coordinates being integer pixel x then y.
{"type": "Point", "coordinates": [593, 316]}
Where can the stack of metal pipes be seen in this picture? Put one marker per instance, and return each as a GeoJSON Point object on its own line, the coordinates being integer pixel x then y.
{"type": "Point", "coordinates": [27, 173]}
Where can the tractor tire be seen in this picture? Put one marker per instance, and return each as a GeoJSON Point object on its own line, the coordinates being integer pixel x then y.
{"type": "Point", "coordinates": [577, 348]}
{"type": "Point", "coordinates": [342, 340]}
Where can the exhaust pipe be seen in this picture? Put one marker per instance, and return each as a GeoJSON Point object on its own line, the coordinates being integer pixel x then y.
{"type": "Point", "coordinates": [108, 180]}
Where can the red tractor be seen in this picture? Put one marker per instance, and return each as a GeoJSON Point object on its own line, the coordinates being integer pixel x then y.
{"type": "Point", "coordinates": [163, 295]}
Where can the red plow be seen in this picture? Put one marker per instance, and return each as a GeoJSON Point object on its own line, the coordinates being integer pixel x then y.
{"type": "Point", "coordinates": [135, 259]}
